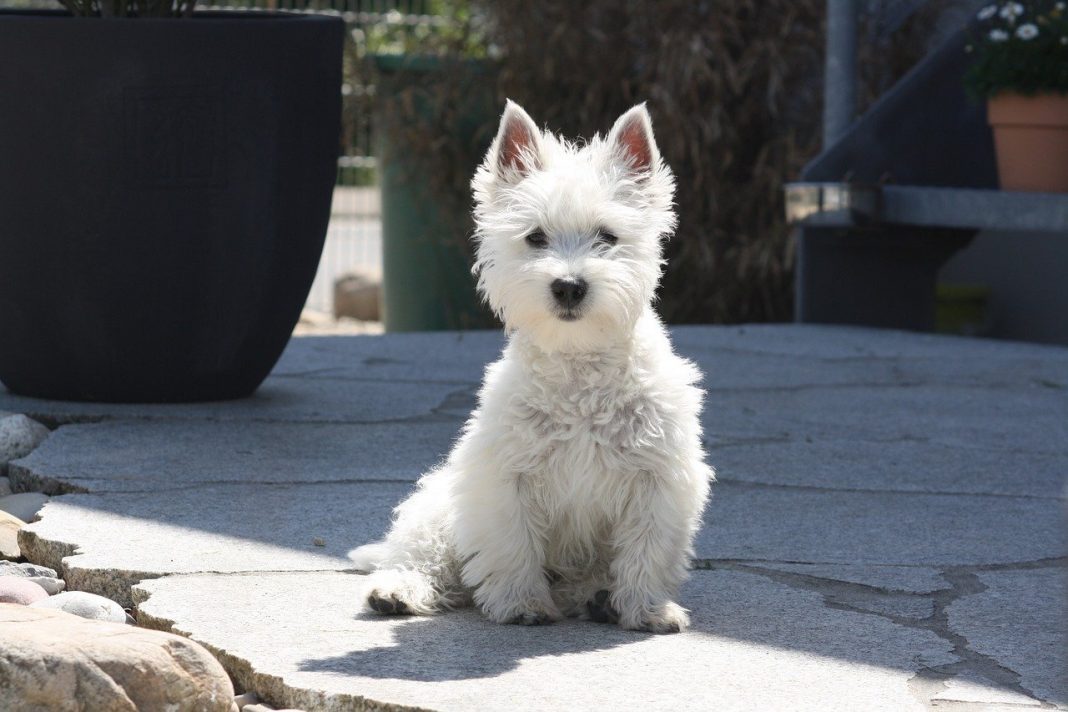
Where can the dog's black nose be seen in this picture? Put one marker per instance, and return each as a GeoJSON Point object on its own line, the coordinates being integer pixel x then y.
{"type": "Point", "coordinates": [569, 292]}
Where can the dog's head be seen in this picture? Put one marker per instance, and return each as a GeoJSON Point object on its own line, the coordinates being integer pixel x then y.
{"type": "Point", "coordinates": [569, 235]}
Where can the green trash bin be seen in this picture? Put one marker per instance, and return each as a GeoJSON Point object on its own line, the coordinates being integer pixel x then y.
{"type": "Point", "coordinates": [427, 283]}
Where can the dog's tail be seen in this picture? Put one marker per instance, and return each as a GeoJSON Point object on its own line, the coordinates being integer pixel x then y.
{"type": "Point", "coordinates": [369, 557]}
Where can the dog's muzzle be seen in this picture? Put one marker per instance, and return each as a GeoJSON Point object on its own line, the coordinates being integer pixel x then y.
{"type": "Point", "coordinates": [568, 294]}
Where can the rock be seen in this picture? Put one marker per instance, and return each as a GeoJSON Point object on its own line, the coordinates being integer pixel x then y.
{"type": "Point", "coordinates": [51, 585]}
{"type": "Point", "coordinates": [19, 436]}
{"type": "Point", "coordinates": [5, 486]}
{"type": "Point", "coordinates": [24, 505]}
{"type": "Point", "coordinates": [43, 576]}
{"type": "Point", "coordinates": [358, 295]}
{"type": "Point", "coordinates": [53, 660]}
{"type": "Point", "coordinates": [85, 605]}
{"type": "Point", "coordinates": [10, 568]}
{"type": "Point", "coordinates": [15, 589]}
{"type": "Point", "coordinates": [246, 698]}
{"type": "Point", "coordinates": [9, 536]}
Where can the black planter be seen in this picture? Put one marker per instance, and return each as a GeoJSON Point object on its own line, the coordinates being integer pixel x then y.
{"type": "Point", "coordinates": [165, 188]}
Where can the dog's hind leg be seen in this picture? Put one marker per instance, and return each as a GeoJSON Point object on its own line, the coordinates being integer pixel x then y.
{"type": "Point", "coordinates": [412, 571]}
{"type": "Point", "coordinates": [402, 592]}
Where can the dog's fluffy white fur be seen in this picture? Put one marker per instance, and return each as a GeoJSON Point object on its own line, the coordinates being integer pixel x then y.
{"type": "Point", "coordinates": [579, 482]}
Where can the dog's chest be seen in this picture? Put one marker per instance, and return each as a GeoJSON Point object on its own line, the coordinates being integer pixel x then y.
{"type": "Point", "coordinates": [584, 434]}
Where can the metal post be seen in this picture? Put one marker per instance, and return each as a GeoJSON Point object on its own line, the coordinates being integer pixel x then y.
{"type": "Point", "coordinates": [840, 70]}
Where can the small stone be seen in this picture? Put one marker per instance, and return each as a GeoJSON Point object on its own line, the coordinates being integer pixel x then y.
{"type": "Point", "coordinates": [51, 585]}
{"type": "Point", "coordinates": [55, 661]}
{"type": "Point", "coordinates": [358, 296]}
{"type": "Point", "coordinates": [319, 541]}
{"type": "Point", "coordinates": [19, 436]}
{"type": "Point", "coordinates": [24, 505]}
{"type": "Point", "coordinates": [246, 698]}
{"type": "Point", "coordinates": [14, 589]}
{"type": "Point", "coordinates": [9, 536]}
{"type": "Point", "coordinates": [5, 486]}
{"type": "Point", "coordinates": [10, 568]}
{"type": "Point", "coordinates": [85, 605]}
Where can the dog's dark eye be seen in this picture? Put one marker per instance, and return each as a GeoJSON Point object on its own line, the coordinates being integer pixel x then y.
{"type": "Point", "coordinates": [607, 238]}
{"type": "Point", "coordinates": [537, 239]}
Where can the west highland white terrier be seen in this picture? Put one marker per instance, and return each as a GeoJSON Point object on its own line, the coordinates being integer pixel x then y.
{"type": "Point", "coordinates": [577, 485]}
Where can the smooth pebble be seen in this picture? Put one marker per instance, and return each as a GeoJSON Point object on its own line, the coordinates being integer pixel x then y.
{"type": "Point", "coordinates": [15, 589]}
{"type": "Point", "coordinates": [85, 605]}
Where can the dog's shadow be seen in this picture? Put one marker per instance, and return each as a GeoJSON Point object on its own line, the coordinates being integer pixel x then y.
{"type": "Point", "coordinates": [462, 645]}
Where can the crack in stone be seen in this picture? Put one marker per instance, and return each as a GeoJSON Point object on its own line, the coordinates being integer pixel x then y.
{"type": "Point", "coordinates": [312, 376]}
{"type": "Point", "coordinates": [963, 581]}
{"type": "Point", "coordinates": [747, 484]}
{"type": "Point", "coordinates": [234, 483]}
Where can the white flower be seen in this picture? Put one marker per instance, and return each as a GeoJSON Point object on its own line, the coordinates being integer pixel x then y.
{"type": "Point", "coordinates": [1059, 5]}
{"type": "Point", "coordinates": [1011, 10]}
{"type": "Point", "coordinates": [998, 35]}
{"type": "Point", "coordinates": [987, 12]}
{"type": "Point", "coordinates": [1027, 32]}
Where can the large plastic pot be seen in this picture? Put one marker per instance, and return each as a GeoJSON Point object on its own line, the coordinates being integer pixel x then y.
{"type": "Point", "coordinates": [165, 188]}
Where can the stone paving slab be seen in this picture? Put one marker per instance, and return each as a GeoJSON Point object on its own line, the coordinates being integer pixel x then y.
{"type": "Point", "coordinates": [755, 645]}
{"type": "Point", "coordinates": [278, 400]}
{"type": "Point", "coordinates": [225, 528]}
{"type": "Point", "coordinates": [905, 465]}
{"type": "Point", "coordinates": [153, 456]}
{"type": "Point", "coordinates": [1002, 421]}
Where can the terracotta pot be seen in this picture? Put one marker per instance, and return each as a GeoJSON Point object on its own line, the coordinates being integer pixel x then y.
{"type": "Point", "coordinates": [1031, 138]}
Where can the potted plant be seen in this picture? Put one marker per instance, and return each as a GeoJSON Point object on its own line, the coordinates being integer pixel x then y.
{"type": "Point", "coordinates": [1021, 69]}
{"type": "Point", "coordinates": [165, 186]}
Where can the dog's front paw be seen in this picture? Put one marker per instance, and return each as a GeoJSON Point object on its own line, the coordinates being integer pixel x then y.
{"type": "Point", "coordinates": [668, 618]}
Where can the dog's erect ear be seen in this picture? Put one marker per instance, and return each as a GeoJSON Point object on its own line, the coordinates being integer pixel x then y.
{"type": "Point", "coordinates": [632, 139]}
{"type": "Point", "coordinates": [516, 151]}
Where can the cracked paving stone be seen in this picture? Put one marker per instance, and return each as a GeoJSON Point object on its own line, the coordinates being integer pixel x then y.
{"type": "Point", "coordinates": [754, 644]}
{"type": "Point", "coordinates": [298, 400]}
{"type": "Point", "coordinates": [902, 466]}
{"type": "Point", "coordinates": [105, 543]}
{"type": "Point", "coordinates": [782, 524]}
{"type": "Point", "coordinates": [1020, 620]}
{"type": "Point", "coordinates": [835, 343]}
{"type": "Point", "coordinates": [437, 356]}
{"type": "Point", "coordinates": [909, 579]}
{"type": "Point", "coordinates": [117, 456]}
{"type": "Point", "coordinates": [1031, 420]}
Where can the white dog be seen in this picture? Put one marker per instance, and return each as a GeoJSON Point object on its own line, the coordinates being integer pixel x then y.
{"type": "Point", "coordinates": [578, 484]}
